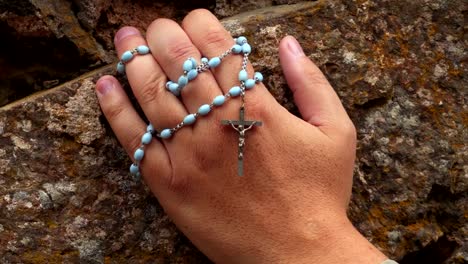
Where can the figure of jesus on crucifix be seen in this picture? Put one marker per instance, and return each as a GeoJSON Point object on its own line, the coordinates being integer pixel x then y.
{"type": "Point", "coordinates": [241, 126]}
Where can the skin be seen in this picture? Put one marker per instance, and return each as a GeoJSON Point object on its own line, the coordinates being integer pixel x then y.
{"type": "Point", "coordinates": [290, 205]}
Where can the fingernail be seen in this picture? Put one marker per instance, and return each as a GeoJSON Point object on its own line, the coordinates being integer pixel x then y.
{"type": "Point", "coordinates": [125, 32]}
{"type": "Point", "coordinates": [103, 86]}
{"type": "Point", "coordinates": [295, 47]}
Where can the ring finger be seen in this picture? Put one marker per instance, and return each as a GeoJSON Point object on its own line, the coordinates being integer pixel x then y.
{"type": "Point", "coordinates": [172, 47]}
{"type": "Point", "coordinates": [147, 80]}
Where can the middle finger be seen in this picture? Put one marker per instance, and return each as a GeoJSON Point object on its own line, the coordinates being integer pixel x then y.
{"type": "Point", "coordinates": [172, 47]}
{"type": "Point", "coordinates": [147, 81]}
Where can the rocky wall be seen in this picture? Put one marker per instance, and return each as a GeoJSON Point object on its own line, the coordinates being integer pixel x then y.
{"type": "Point", "coordinates": [48, 42]}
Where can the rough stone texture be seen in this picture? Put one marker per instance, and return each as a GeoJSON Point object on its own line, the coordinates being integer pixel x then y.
{"type": "Point", "coordinates": [49, 42]}
{"type": "Point", "coordinates": [60, 19]}
{"type": "Point", "coordinates": [65, 194]}
{"type": "Point", "coordinates": [400, 69]}
{"type": "Point", "coordinates": [225, 8]}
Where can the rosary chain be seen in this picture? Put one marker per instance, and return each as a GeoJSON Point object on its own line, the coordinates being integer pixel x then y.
{"type": "Point", "coordinates": [203, 66]}
{"type": "Point", "coordinates": [245, 60]}
{"type": "Point", "coordinates": [225, 54]}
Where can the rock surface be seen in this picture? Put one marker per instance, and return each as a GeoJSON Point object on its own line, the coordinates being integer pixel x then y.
{"type": "Point", "coordinates": [400, 70]}
{"type": "Point", "coordinates": [47, 42]}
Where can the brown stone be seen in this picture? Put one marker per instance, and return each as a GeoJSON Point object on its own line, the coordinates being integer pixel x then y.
{"type": "Point", "coordinates": [61, 20]}
{"type": "Point", "coordinates": [54, 41]}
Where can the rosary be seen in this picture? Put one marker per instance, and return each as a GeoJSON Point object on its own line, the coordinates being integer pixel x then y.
{"type": "Point", "coordinates": [190, 71]}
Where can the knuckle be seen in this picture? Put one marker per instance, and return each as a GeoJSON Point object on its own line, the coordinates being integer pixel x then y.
{"type": "Point", "coordinates": [180, 51]}
{"type": "Point", "coordinates": [179, 179]}
{"type": "Point", "coordinates": [131, 140]}
{"type": "Point", "coordinates": [114, 109]}
{"type": "Point", "coordinates": [316, 77]}
{"type": "Point", "coordinates": [258, 109]}
{"type": "Point", "coordinates": [215, 38]}
{"type": "Point", "coordinates": [350, 131]}
{"type": "Point", "coordinates": [204, 159]}
{"type": "Point", "coordinates": [133, 143]}
{"type": "Point", "coordinates": [177, 182]}
{"type": "Point", "coordinates": [151, 89]}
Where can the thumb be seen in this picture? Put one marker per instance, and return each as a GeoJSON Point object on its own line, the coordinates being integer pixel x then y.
{"type": "Point", "coordinates": [317, 101]}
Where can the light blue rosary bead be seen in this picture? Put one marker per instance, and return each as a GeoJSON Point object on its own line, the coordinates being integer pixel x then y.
{"type": "Point", "coordinates": [246, 48]}
{"type": "Point", "coordinates": [174, 89]}
{"type": "Point", "coordinates": [389, 261]}
{"type": "Point", "coordinates": [192, 74]}
{"type": "Point", "coordinates": [204, 60]}
{"type": "Point", "coordinates": [250, 83]}
{"type": "Point", "coordinates": [235, 91]}
{"type": "Point", "coordinates": [243, 75]}
{"type": "Point", "coordinates": [168, 83]}
{"type": "Point", "coordinates": [189, 119]}
{"type": "Point", "coordinates": [142, 50]}
{"type": "Point", "coordinates": [139, 154]}
{"type": "Point", "coordinates": [173, 86]}
{"type": "Point", "coordinates": [258, 77]}
{"type": "Point", "coordinates": [166, 133]}
{"type": "Point", "coordinates": [137, 176]}
{"type": "Point", "coordinates": [204, 109]}
{"type": "Point", "coordinates": [241, 40]}
{"type": "Point", "coordinates": [236, 49]}
{"type": "Point", "coordinates": [194, 63]}
{"type": "Point", "coordinates": [120, 67]}
{"type": "Point", "coordinates": [126, 56]}
{"type": "Point", "coordinates": [182, 81]}
{"type": "Point", "coordinates": [188, 65]}
{"type": "Point", "coordinates": [214, 62]}
{"type": "Point", "coordinates": [134, 169]}
{"type": "Point", "coordinates": [219, 100]}
{"type": "Point", "coordinates": [150, 128]}
{"type": "Point", "coordinates": [146, 138]}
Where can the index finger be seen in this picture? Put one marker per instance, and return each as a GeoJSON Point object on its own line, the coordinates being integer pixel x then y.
{"type": "Point", "coordinates": [212, 39]}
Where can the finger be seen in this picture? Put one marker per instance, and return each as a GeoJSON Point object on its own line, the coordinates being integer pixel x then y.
{"type": "Point", "coordinates": [148, 80]}
{"type": "Point", "coordinates": [210, 37]}
{"type": "Point", "coordinates": [172, 47]}
{"type": "Point", "coordinates": [317, 101]}
{"type": "Point", "coordinates": [129, 128]}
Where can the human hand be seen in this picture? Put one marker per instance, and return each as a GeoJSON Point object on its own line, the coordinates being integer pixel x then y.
{"type": "Point", "coordinates": [290, 205]}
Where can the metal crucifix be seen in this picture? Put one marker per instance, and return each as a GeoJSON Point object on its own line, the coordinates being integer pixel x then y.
{"type": "Point", "coordinates": [241, 126]}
